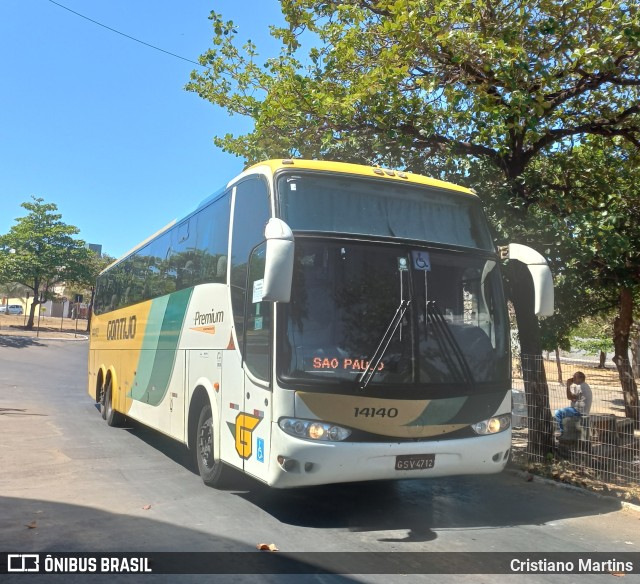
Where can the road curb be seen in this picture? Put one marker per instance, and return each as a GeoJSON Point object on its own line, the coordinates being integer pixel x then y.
{"type": "Point", "coordinates": [526, 475]}
{"type": "Point", "coordinates": [78, 338]}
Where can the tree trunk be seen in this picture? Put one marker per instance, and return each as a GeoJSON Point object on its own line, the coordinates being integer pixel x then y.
{"type": "Point", "coordinates": [603, 360]}
{"type": "Point", "coordinates": [533, 372]}
{"type": "Point", "coordinates": [32, 312]}
{"type": "Point", "coordinates": [635, 356]}
{"type": "Point", "coordinates": [621, 332]}
{"type": "Point", "coordinates": [90, 309]}
{"type": "Point", "coordinates": [559, 366]}
{"type": "Point", "coordinates": [36, 301]}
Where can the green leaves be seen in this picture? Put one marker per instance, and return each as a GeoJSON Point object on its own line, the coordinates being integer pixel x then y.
{"type": "Point", "coordinates": [501, 80]}
{"type": "Point", "coordinates": [534, 103]}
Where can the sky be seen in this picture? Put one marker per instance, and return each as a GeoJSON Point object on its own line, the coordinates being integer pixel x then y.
{"type": "Point", "coordinates": [101, 125]}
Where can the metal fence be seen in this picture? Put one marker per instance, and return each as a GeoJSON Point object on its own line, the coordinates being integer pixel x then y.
{"type": "Point", "coordinates": [601, 450]}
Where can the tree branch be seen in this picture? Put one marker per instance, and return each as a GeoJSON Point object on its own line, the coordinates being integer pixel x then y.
{"type": "Point", "coordinates": [458, 146]}
{"type": "Point", "coordinates": [589, 82]}
{"type": "Point", "coordinates": [602, 127]}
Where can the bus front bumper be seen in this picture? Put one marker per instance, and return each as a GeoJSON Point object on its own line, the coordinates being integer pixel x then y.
{"type": "Point", "coordinates": [295, 462]}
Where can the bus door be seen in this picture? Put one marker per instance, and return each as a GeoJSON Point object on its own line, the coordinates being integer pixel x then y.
{"type": "Point", "coordinates": [257, 367]}
{"type": "Point", "coordinates": [252, 322]}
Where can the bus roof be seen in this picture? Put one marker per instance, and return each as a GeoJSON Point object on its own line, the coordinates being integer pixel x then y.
{"type": "Point", "coordinates": [360, 170]}
{"type": "Point", "coordinates": [313, 165]}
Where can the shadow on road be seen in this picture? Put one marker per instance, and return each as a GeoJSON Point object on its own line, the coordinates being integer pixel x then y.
{"type": "Point", "coordinates": [422, 507]}
{"type": "Point", "coordinates": [30, 525]}
{"type": "Point", "coordinates": [418, 508]}
{"type": "Point", "coordinates": [18, 412]}
{"type": "Point", "coordinates": [15, 342]}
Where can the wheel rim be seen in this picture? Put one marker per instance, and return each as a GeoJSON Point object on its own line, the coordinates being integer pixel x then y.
{"type": "Point", "coordinates": [205, 444]}
{"type": "Point", "coordinates": [107, 399]}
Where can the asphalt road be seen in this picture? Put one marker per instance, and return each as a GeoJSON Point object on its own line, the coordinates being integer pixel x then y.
{"type": "Point", "coordinates": [69, 483]}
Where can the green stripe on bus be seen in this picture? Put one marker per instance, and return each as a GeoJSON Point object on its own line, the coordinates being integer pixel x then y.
{"type": "Point", "coordinates": [440, 411]}
{"type": "Point", "coordinates": [158, 354]}
{"type": "Point", "coordinates": [467, 409]}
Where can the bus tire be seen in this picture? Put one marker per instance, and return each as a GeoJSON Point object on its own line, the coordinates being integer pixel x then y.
{"type": "Point", "coordinates": [211, 470]}
{"type": "Point", "coordinates": [112, 417]}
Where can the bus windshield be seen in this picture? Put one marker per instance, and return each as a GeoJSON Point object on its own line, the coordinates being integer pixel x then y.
{"type": "Point", "coordinates": [450, 325]}
{"type": "Point", "coordinates": [344, 204]}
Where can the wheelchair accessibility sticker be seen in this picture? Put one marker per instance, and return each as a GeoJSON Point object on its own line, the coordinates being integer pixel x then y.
{"type": "Point", "coordinates": [260, 450]}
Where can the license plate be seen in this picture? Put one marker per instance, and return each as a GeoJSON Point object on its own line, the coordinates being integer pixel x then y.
{"type": "Point", "coordinates": [415, 461]}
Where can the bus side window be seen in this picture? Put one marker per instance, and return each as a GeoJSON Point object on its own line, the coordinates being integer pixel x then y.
{"type": "Point", "coordinates": [252, 211]}
{"type": "Point", "coordinates": [212, 240]}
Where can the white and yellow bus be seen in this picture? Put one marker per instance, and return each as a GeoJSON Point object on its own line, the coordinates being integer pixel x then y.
{"type": "Point", "coordinates": [314, 323]}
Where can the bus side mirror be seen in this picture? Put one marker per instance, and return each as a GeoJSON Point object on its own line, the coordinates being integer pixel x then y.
{"type": "Point", "coordinates": [278, 269]}
{"type": "Point", "coordinates": [541, 275]}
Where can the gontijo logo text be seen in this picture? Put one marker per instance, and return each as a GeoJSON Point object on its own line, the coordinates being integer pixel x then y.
{"type": "Point", "coordinates": [122, 328]}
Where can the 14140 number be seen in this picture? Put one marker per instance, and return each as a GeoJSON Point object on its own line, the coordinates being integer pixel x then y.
{"type": "Point", "coordinates": [375, 412]}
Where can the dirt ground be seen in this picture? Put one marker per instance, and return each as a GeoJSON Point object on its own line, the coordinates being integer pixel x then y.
{"type": "Point", "coordinates": [604, 383]}
{"type": "Point", "coordinates": [595, 376]}
{"type": "Point", "coordinates": [49, 327]}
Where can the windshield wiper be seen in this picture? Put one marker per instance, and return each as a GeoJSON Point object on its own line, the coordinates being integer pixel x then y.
{"type": "Point", "coordinates": [448, 345]}
{"type": "Point", "coordinates": [379, 354]}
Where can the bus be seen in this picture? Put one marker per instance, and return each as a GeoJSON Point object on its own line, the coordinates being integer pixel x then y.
{"type": "Point", "coordinates": [316, 322]}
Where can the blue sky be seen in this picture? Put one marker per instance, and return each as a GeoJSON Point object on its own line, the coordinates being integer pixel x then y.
{"type": "Point", "coordinates": [101, 125]}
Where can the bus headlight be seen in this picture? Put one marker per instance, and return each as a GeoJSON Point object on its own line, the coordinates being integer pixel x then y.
{"type": "Point", "coordinates": [313, 430]}
{"type": "Point", "coordinates": [492, 425]}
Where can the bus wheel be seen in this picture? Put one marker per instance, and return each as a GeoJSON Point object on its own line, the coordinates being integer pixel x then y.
{"type": "Point", "coordinates": [112, 417]}
{"type": "Point", "coordinates": [210, 469]}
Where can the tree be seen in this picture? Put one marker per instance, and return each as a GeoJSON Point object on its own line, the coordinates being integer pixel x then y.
{"type": "Point", "coordinates": [398, 83]}
{"type": "Point", "coordinates": [387, 81]}
{"type": "Point", "coordinates": [596, 214]}
{"type": "Point", "coordinates": [87, 285]}
{"type": "Point", "coordinates": [39, 252]}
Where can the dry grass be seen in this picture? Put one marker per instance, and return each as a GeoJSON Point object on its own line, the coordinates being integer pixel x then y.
{"type": "Point", "coordinates": [595, 376]}
{"type": "Point", "coordinates": [605, 385]}
{"type": "Point", "coordinates": [48, 327]}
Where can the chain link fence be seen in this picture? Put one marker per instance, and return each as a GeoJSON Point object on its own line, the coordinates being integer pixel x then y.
{"type": "Point", "coordinates": [601, 450]}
